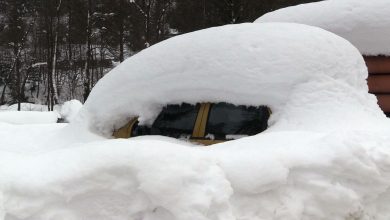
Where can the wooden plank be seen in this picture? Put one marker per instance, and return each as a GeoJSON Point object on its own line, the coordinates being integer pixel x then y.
{"type": "Point", "coordinates": [384, 102]}
{"type": "Point", "coordinates": [379, 83]}
{"type": "Point", "coordinates": [378, 65]}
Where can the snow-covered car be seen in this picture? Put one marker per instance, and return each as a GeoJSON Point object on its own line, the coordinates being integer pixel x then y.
{"type": "Point", "coordinates": [221, 83]}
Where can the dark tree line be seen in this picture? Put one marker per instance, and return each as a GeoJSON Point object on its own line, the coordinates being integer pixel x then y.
{"type": "Point", "coordinates": [56, 50]}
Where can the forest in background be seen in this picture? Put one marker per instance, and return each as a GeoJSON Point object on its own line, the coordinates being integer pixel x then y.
{"type": "Point", "coordinates": [52, 51]}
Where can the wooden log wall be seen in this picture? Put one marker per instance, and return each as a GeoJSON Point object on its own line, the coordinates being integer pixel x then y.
{"type": "Point", "coordinates": [379, 80]}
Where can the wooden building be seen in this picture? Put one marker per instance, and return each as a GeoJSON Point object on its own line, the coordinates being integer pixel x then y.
{"type": "Point", "coordinates": [379, 80]}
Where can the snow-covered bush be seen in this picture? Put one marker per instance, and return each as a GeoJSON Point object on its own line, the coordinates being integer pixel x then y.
{"type": "Point", "coordinates": [70, 109]}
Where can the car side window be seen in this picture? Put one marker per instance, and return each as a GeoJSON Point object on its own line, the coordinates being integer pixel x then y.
{"type": "Point", "coordinates": [219, 122]}
{"type": "Point", "coordinates": [227, 120]}
{"type": "Point", "coordinates": [176, 121]}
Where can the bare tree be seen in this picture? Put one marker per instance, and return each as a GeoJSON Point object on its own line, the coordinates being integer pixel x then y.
{"type": "Point", "coordinates": [87, 83]}
{"type": "Point", "coordinates": [54, 98]}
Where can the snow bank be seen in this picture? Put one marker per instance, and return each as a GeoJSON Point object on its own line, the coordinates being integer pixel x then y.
{"type": "Point", "coordinates": [366, 24]}
{"type": "Point", "coordinates": [305, 175]}
{"type": "Point", "coordinates": [247, 64]}
{"type": "Point", "coordinates": [22, 117]}
{"type": "Point", "coordinates": [279, 175]}
{"type": "Point", "coordinates": [25, 107]}
{"type": "Point", "coordinates": [29, 138]}
{"type": "Point", "coordinates": [4, 107]}
{"type": "Point", "coordinates": [124, 182]}
{"type": "Point", "coordinates": [36, 113]}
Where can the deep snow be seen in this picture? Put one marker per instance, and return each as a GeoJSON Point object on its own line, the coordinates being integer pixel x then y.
{"type": "Point", "coordinates": [39, 114]}
{"type": "Point", "coordinates": [28, 117]}
{"type": "Point", "coordinates": [366, 24]}
{"type": "Point", "coordinates": [325, 156]}
{"type": "Point", "coordinates": [26, 107]}
{"type": "Point", "coordinates": [277, 175]}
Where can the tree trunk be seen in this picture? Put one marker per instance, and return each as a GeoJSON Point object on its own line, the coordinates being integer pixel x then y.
{"type": "Point", "coordinates": [54, 94]}
{"type": "Point", "coordinates": [18, 79]}
{"type": "Point", "coordinates": [147, 25]}
{"type": "Point", "coordinates": [53, 85]}
{"type": "Point", "coordinates": [69, 31]}
{"type": "Point", "coordinates": [87, 83]}
{"type": "Point", "coordinates": [121, 30]}
{"type": "Point", "coordinates": [3, 94]}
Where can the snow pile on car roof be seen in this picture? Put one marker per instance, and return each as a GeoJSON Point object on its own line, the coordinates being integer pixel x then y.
{"type": "Point", "coordinates": [366, 24]}
{"type": "Point", "coordinates": [297, 70]}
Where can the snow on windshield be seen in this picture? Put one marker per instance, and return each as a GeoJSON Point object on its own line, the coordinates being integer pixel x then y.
{"type": "Point", "coordinates": [366, 24]}
{"type": "Point", "coordinates": [295, 69]}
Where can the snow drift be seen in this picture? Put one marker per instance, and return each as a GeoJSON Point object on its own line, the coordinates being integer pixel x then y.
{"type": "Point", "coordinates": [39, 114]}
{"type": "Point", "coordinates": [248, 64]}
{"type": "Point", "coordinates": [28, 117]}
{"type": "Point", "coordinates": [24, 107]}
{"type": "Point", "coordinates": [326, 155]}
{"type": "Point", "coordinates": [366, 24]}
{"type": "Point", "coordinates": [276, 175]}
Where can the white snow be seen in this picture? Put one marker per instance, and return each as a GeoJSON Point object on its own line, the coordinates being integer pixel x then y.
{"type": "Point", "coordinates": [28, 117]}
{"type": "Point", "coordinates": [3, 107]}
{"type": "Point", "coordinates": [366, 24]}
{"type": "Point", "coordinates": [70, 109]}
{"type": "Point", "coordinates": [39, 64]}
{"type": "Point", "coordinates": [38, 114]}
{"type": "Point", "coordinates": [325, 156]}
{"type": "Point", "coordinates": [25, 107]}
{"type": "Point", "coordinates": [276, 175]}
{"type": "Point", "coordinates": [250, 64]}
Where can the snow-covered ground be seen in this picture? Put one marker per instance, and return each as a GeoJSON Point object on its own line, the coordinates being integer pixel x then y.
{"type": "Point", "coordinates": [26, 107]}
{"type": "Point", "coordinates": [28, 117]}
{"type": "Point", "coordinates": [39, 114]}
{"type": "Point", "coordinates": [366, 24]}
{"type": "Point", "coordinates": [280, 175]}
{"type": "Point", "coordinates": [325, 156]}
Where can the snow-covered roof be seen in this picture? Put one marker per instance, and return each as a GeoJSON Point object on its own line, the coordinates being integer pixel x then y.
{"type": "Point", "coordinates": [365, 23]}
{"type": "Point", "coordinates": [298, 70]}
